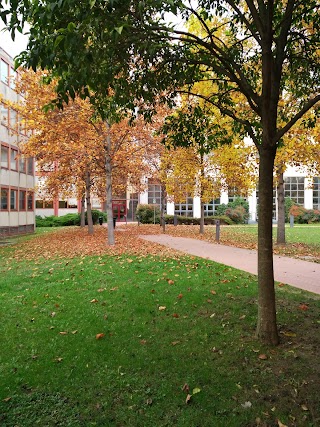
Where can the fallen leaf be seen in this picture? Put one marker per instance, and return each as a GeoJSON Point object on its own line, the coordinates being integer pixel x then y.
{"type": "Point", "coordinates": [188, 398]}
{"type": "Point", "coordinates": [303, 307]}
{"type": "Point", "coordinates": [175, 342]}
{"type": "Point", "coordinates": [304, 408]}
{"type": "Point", "coordinates": [186, 388]}
{"type": "Point", "coordinates": [143, 342]}
{"type": "Point", "coordinates": [175, 315]}
{"type": "Point", "coordinates": [59, 359]}
{"type": "Point", "coordinates": [94, 300]}
{"type": "Point", "coordinates": [63, 333]}
{"type": "Point", "coordinates": [162, 308]}
{"type": "Point", "coordinates": [246, 405]}
{"type": "Point", "coordinates": [213, 292]}
{"type": "Point", "coordinates": [74, 332]}
{"type": "Point", "coordinates": [180, 296]}
{"type": "Point", "coordinates": [263, 357]}
{"type": "Point", "coordinates": [280, 424]}
{"type": "Point", "coordinates": [170, 282]}
{"type": "Point", "coordinates": [53, 314]}
{"type": "Point", "coordinates": [196, 390]}
{"type": "Point", "coordinates": [281, 285]}
{"type": "Point", "coordinates": [114, 289]}
{"type": "Point", "coordinates": [99, 336]}
{"type": "Point", "coordinates": [6, 399]}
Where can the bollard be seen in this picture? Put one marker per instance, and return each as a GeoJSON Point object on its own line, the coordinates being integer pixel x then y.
{"type": "Point", "coordinates": [114, 221]}
{"type": "Point", "coordinates": [217, 230]}
{"type": "Point", "coordinates": [100, 220]}
{"type": "Point", "coordinates": [291, 221]}
{"type": "Point", "coordinates": [175, 220]}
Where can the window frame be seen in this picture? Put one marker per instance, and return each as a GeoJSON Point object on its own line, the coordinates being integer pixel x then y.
{"type": "Point", "coordinates": [14, 206]}
{"type": "Point", "coordinates": [6, 189]}
{"type": "Point", "coordinates": [23, 207]}
{"type": "Point", "coordinates": [7, 148]}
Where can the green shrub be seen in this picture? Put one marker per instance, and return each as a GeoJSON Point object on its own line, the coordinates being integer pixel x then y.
{"type": "Point", "coordinates": [47, 221]}
{"type": "Point", "coordinates": [210, 220]}
{"type": "Point", "coordinates": [304, 216]}
{"type": "Point", "coordinates": [96, 214]}
{"type": "Point", "coordinates": [237, 211]}
{"type": "Point", "coordinates": [67, 220]}
{"type": "Point", "coordinates": [148, 214]}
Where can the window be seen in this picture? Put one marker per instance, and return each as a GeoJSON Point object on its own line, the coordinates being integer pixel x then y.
{"type": "Point", "coordinates": [316, 193]}
{"type": "Point", "coordinates": [234, 193]}
{"type": "Point", "coordinates": [294, 188]}
{"type": "Point", "coordinates": [30, 166]}
{"type": "Point", "coordinates": [43, 204]}
{"type": "Point", "coordinates": [63, 204]}
{"type": "Point", "coordinates": [4, 115]}
{"type": "Point", "coordinates": [4, 71]}
{"type": "Point", "coordinates": [13, 76]}
{"type": "Point", "coordinates": [209, 208]}
{"type": "Point", "coordinates": [13, 119]}
{"type": "Point", "coordinates": [22, 164]}
{"type": "Point", "coordinates": [30, 202]}
{"type": "Point", "coordinates": [4, 156]}
{"type": "Point", "coordinates": [13, 159]}
{"type": "Point", "coordinates": [13, 200]}
{"type": "Point", "coordinates": [185, 208]}
{"type": "Point", "coordinates": [22, 200]}
{"type": "Point", "coordinates": [154, 194]}
{"type": "Point", "coordinates": [4, 199]}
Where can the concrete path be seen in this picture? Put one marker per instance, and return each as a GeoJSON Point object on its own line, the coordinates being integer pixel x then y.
{"type": "Point", "coordinates": [300, 274]}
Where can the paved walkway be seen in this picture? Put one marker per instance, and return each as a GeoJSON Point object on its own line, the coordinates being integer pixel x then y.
{"type": "Point", "coordinates": [300, 274]}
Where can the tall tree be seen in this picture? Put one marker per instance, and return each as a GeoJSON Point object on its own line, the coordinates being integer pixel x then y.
{"type": "Point", "coordinates": [268, 49]}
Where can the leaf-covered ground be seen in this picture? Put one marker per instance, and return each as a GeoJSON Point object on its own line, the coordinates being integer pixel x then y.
{"type": "Point", "coordinates": [71, 242]}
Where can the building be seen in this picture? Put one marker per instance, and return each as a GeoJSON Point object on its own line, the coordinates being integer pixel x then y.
{"type": "Point", "coordinates": [17, 180]}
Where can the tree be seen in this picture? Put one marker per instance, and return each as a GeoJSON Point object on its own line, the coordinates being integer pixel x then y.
{"type": "Point", "coordinates": [72, 148]}
{"type": "Point", "coordinates": [268, 49]}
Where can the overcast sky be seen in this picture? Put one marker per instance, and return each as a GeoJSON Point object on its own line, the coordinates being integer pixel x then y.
{"type": "Point", "coordinates": [13, 48]}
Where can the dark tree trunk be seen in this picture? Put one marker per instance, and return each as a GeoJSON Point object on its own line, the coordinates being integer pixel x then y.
{"type": "Point", "coordinates": [83, 212]}
{"type": "Point", "coordinates": [267, 324]}
{"type": "Point", "coordinates": [162, 208]}
{"type": "Point", "coordinates": [202, 217]}
{"type": "Point", "coordinates": [111, 240]}
{"type": "Point", "coordinates": [281, 231]}
{"type": "Point", "coordinates": [88, 200]}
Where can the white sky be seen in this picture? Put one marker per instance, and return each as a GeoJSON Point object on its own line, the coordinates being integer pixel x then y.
{"type": "Point", "coordinates": [13, 48]}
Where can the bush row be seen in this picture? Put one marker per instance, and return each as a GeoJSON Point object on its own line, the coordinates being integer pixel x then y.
{"type": "Point", "coordinates": [304, 216]}
{"type": "Point", "coordinates": [68, 219]}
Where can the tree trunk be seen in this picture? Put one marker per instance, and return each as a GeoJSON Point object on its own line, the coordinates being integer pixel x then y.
{"type": "Point", "coordinates": [267, 324]}
{"type": "Point", "coordinates": [111, 240]}
{"type": "Point", "coordinates": [202, 217]}
{"type": "Point", "coordinates": [281, 233]}
{"type": "Point", "coordinates": [88, 200]}
{"type": "Point", "coordinates": [162, 209]}
{"type": "Point", "coordinates": [83, 212]}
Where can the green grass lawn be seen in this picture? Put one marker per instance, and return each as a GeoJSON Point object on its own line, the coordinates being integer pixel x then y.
{"type": "Point", "coordinates": [169, 326]}
{"type": "Point", "coordinates": [300, 233]}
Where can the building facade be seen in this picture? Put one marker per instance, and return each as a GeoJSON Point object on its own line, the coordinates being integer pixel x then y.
{"type": "Point", "coordinates": [17, 205]}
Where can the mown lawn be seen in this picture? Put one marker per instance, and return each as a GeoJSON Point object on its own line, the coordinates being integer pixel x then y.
{"type": "Point", "coordinates": [120, 339]}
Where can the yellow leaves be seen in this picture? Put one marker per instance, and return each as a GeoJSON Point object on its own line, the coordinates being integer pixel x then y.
{"type": "Point", "coordinates": [100, 336]}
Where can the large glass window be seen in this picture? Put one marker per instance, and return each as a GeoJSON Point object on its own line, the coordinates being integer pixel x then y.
{"type": "Point", "coordinates": [4, 115]}
{"type": "Point", "coordinates": [234, 193]}
{"type": "Point", "coordinates": [30, 166]}
{"type": "Point", "coordinates": [13, 159]}
{"type": "Point", "coordinates": [4, 199]}
{"type": "Point", "coordinates": [4, 71]}
{"type": "Point", "coordinates": [13, 200]}
{"type": "Point", "coordinates": [22, 164]}
{"type": "Point", "coordinates": [209, 208]}
{"type": "Point", "coordinates": [30, 202]}
{"type": "Point", "coordinates": [4, 156]}
{"type": "Point", "coordinates": [316, 193]}
{"type": "Point", "coordinates": [185, 208]}
{"type": "Point", "coordinates": [294, 188]}
{"type": "Point", "coordinates": [13, 119]}
{"type": "Point", "coordinates": [154, 194]}
{"type": "Point", "coordinates": [22, 200]}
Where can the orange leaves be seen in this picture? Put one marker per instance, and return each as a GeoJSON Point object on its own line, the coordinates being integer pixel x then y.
{"type": "Point", "coordinates": [100, 336]}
